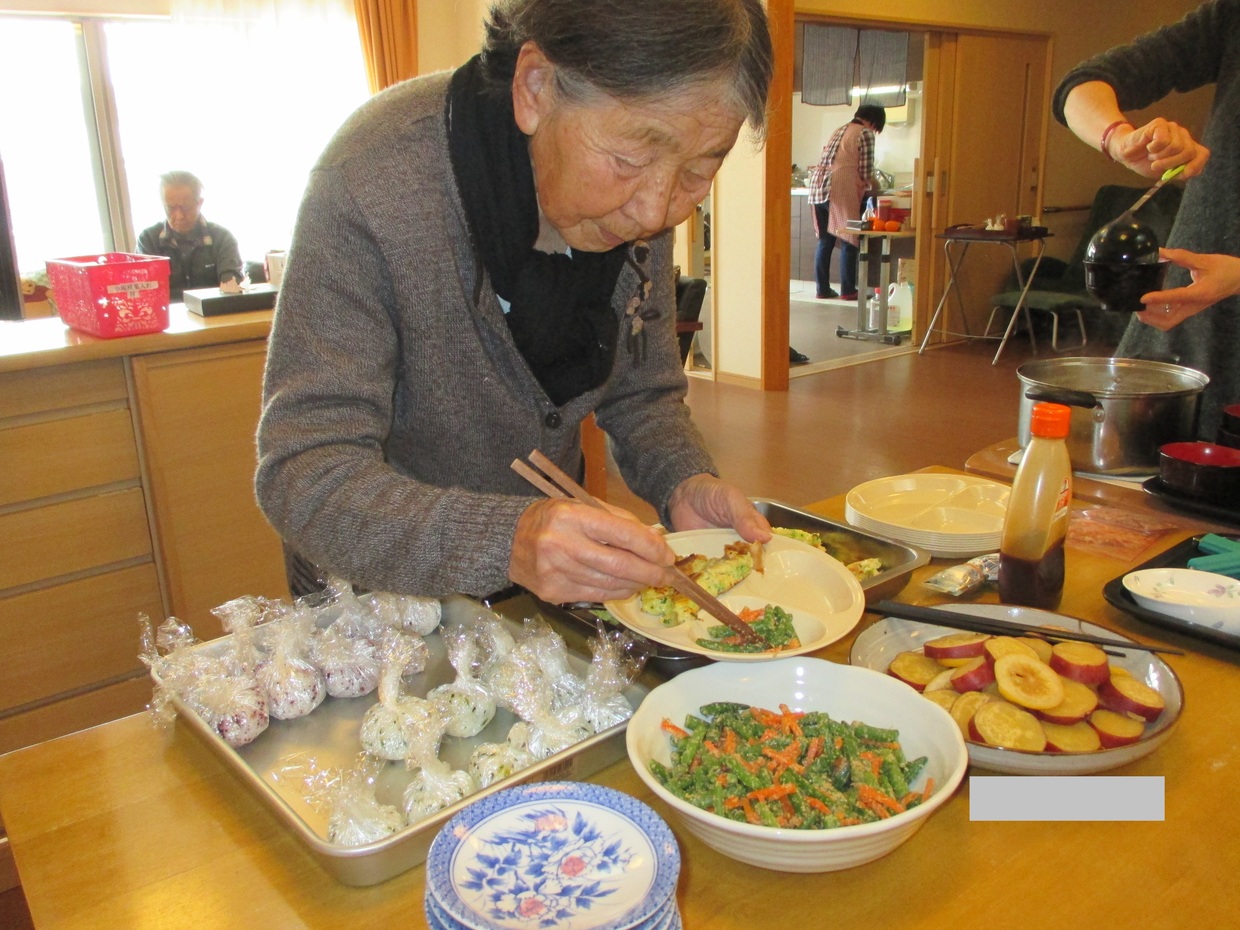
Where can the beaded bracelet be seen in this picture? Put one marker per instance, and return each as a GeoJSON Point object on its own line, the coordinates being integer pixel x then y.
{"type": "Point", "coordinates": [1106, 135]}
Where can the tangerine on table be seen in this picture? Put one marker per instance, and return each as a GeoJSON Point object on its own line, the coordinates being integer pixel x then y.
{"type": "Point", "coordinates": [892, 226]}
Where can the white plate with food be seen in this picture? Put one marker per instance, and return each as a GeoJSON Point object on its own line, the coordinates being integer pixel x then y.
{"type": "Point", "coordinates": [820, 595]}
{"type": "Point", "coordinates": [1124, 723]}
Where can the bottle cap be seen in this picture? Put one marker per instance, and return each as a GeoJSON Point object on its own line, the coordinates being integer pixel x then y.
{"type": "Point", "coordinates": [1050, 421]}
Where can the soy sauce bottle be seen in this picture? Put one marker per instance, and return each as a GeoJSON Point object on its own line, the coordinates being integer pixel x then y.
{"type": "Point", "coordinates": [1031, 562]}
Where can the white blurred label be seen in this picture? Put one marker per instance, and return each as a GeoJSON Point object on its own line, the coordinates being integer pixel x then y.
{"type": "Point", "coordinates": [1050, 797]}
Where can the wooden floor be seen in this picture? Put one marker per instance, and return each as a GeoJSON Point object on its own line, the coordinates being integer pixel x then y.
{"type": "Point", "coordinates": [835, 429]}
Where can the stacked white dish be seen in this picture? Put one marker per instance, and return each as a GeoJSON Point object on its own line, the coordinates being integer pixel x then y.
{"type": "Point", "coordinates": [563, 854]}
{"type": "Point", "coordinates": [949, 516]}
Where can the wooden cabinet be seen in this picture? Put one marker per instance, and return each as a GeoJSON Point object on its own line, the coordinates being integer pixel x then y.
{"type": "Point", "coordinates": [804, 241]}
{"type": "Point", "coordinates": [126, 488]}
{"type": "Point", "coordinates": [78, 562]}
{"type": "Point", "coordinates": [198, 410]}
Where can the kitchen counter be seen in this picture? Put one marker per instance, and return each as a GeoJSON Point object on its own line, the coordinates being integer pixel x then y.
{"type": "Point", "coordinates": [26, 344]}
{"type": "Point", "coordinates": [128, 826]}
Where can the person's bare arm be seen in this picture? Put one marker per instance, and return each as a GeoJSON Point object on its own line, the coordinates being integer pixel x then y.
{"type": "Point", "coordinates": [1149, 150]}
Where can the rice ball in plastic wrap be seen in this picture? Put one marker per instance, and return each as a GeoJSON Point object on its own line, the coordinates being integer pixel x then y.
{"type": "Point", "coordinates": [420, 615]}
{"type": "Point", "coordinates": [350, 665]}
{"type": "Point", "coordinates": [293, 685]}
{"type": "Point", "coordinates": [234, 706]}
{"type": "Point", "coordinates": [548, 650]}
{"type": "Point", "coordinates": [492, 762]}
{"type": "Point", "coordinates": [345, 796]}
{"type": "Point", "coordinates": [400, 726]}
{"type": "Point", "coordinates": [466, 705]}
{"type": "Point", "coordinates": [223, 691]}
{"type": "Point", "coordinates": [436, 785]}
{"type": "Point", "coordinates": [618, 659]}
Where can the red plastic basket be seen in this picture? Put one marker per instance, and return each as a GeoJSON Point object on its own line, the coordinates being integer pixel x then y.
{"type": "Point", "coordinates": [112, 294]}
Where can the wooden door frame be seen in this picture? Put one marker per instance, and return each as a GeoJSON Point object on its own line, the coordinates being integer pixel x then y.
{"type": "Point", "coordinates": [777, 180]}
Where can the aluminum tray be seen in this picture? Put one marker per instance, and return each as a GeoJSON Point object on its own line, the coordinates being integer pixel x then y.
{"type": "Point", "coordinates": [330, 735]}
{"type": "Point", "coordinates": [899, 559]}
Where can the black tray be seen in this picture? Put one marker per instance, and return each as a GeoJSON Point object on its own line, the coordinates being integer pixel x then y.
{"type": "Point", "coordinates": [1217, 512]}
{"type": "Point", "coordinates": [1175, 557]}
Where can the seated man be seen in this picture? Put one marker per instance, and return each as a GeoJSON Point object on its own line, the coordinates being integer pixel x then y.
{"type": "Point", "coordinates": [203, 254]}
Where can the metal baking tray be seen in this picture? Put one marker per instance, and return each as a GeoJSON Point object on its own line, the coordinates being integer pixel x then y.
{"type": "Point", "coordinates": [899, 559]}
{"type": "Point", "coordinates": [330, 734]}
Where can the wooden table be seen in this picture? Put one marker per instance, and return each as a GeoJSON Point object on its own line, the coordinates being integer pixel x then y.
{"type": "Point", "coordinates": [126, 826]}
{"type": "Point", "coordinates": [886, 245]}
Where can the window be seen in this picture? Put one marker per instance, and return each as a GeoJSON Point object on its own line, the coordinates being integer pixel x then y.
{"type": "Point", "coordinates": [245, 105]}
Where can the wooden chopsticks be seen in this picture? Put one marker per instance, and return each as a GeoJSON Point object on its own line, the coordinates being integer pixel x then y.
{"type": "Point", "coordinates": [557, 483]}
{"type": "Point", "coordinates": [958, 621]}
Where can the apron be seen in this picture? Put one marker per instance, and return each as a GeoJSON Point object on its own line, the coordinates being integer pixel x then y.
{"type": "Point", "coordinates": [847, 186]}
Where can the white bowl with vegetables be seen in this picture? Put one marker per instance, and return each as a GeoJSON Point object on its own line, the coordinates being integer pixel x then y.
{"type": "Point", "coordinates": [779, 805]}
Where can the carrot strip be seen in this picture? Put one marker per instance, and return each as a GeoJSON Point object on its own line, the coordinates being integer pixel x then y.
{"type": "Point", "coordinates": [750, 814]}
{"type": "Point", "coordinates": [819, 806]}
{"type": "Point", "coordinates": [729, 741]}
{"type": "Point", "coordinates": [669, 727]}
{"type": "Point", "coordinates": [816, 746]}
{"type": "Point", "coordinates": [925, 795]}
{"type": "Point", "coordinates": [876, 762]}
{"type": "Point", "coordinates": [771, 792]}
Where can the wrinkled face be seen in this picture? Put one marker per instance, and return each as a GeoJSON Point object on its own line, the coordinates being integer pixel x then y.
{"type": "Point", "coordinates": [181, 207]}
{"type": "Point", "coordinates": [611, 171]}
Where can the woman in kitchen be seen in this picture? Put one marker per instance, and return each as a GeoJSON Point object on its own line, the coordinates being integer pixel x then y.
{"type": "Point", "coordinates": [837, 187]}
{"type": "Point", "coordinates": [1196, 320]}
{"type": "Point", "coordinates": [481, 260]}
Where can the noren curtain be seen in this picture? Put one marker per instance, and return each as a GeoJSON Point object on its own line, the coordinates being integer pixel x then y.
{"type": "Point", "coordinates": [389, 33]}
{"type": "Point", "coordinates": [835, 59]}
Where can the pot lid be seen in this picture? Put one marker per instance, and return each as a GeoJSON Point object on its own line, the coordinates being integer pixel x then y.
{"type": "Point", "coordinates": [1113, 377]}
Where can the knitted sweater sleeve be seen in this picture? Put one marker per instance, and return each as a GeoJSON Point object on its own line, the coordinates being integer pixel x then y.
{"type": "Point", "coordinates": [1180, 57]}
{"type": "Point", "coordinates": [324, 480]}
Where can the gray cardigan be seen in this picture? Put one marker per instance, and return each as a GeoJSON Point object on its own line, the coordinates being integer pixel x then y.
{"type": "Point", "coordinates": [394, 397]}
{"type": "Point", "coordinates": [1202, 48]}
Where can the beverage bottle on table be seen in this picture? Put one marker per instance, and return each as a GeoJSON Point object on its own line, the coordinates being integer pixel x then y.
{"type": "Point", "coordinates": [1031, 563]}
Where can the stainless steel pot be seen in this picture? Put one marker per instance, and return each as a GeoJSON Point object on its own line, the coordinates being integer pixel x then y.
{"type": "Point", "coordinates": [1123, 408]}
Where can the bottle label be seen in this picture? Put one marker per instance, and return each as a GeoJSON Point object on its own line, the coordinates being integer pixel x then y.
{"type": "Point", "coordinates": [1065, 499]}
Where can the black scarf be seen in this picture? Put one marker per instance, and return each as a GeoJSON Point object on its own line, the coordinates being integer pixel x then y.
{"type": "Point", "coordinates": [561, 316]}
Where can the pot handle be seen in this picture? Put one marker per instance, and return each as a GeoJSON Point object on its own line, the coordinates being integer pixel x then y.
{"type": "Point", "coordinates": [1064, 396]}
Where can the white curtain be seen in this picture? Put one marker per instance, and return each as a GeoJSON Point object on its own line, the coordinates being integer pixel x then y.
{"type": "Point", "coordinates": [243, 93]}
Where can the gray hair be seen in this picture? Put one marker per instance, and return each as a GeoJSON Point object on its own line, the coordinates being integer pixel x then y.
{"type": "Point", "coordinates": [181, 179]}
{"type": "Point", "coordinates": [638, 49]}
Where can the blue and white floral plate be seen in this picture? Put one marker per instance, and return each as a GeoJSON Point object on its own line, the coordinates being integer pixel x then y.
{"type": "Point", "coordinates": [554, 854]}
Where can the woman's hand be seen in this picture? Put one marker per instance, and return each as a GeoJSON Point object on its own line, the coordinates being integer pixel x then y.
{"type": "Point", "coordinates": [703, 501]}
{"type": "Point", "coordinates": [565, 551]}
{"type": "Point", "coordinates": [1214, 277]}
{"type": "Point", "coordinates": [1157, 146]}
{"type": "Point", "coordinates": [1092, 112]}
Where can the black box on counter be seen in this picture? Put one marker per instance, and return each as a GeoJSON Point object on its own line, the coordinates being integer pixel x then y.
{"type": "Point", "coordinates": [211, 301]}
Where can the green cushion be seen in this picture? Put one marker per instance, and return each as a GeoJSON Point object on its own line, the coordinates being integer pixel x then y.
{"type": "Point", "coordinates": [1049, 300]}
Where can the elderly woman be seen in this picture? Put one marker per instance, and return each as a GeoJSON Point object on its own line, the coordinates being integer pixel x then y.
{"type": "Point", "coordinates": [482, 259]}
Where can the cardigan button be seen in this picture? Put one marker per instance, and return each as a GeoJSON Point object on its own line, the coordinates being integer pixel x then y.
{"type": "Point", "coordinates": [553, 420]}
